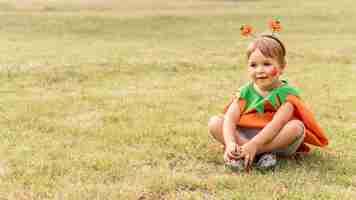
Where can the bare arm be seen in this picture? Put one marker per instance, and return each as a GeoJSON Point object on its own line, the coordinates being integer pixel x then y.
{"type": "Point", "coordinates": [229, 127]}
{"type": "Point", "coordinates": [282, 116]}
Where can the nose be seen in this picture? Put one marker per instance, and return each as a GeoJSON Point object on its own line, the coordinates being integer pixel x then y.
{"type": "Point", "coordinates": [259, 69]}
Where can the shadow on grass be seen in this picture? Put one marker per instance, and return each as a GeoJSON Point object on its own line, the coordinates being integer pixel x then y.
{"type": "Point", "coordinates": [320, 163]}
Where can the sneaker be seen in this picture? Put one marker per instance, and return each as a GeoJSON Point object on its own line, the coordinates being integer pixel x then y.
{"type": "Point", "coordinates": [266, 161]}
{"type": "Point", "coordinates": [235, 165]}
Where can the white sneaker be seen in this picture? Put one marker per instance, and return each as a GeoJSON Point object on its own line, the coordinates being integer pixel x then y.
{"type": "Point", "coordinates": [235, 165]}
{"type": "Point", "coordinates": [266, 161]}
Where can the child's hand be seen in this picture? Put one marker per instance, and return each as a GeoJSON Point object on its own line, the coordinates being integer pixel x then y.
{"type": "Point", "coordinates": [248, 151]}
{"type": "Point", "coordinates": [231, 152]}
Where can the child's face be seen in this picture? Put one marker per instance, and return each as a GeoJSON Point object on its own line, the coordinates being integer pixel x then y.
{"type": "Point", "coordinates": [263, 71]}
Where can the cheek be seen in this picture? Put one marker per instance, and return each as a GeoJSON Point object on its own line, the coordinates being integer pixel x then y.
{"type": "Point", "coordinates": [274, 71]}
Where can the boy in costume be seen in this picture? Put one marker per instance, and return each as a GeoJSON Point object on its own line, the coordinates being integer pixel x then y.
{"type": "Point", "coordinates": [266, 117]}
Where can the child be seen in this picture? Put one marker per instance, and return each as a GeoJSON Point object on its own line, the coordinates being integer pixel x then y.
{"type": "Point", "coordinates": [266, 117]}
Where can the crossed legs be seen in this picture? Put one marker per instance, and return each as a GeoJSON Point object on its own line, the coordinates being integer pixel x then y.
{"type": "Point", "coordinates": [286, 136]}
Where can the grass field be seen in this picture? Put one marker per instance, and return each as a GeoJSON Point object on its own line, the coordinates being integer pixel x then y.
{"type": "Point", "coordinates": [110, 100]}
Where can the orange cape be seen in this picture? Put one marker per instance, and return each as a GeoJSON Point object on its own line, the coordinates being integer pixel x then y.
{"type": "Point", "coordinates": [314, 135]}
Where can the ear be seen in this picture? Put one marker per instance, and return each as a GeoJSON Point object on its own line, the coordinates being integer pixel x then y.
{"type": "Point", "coordinates": [282, 68]}
{"type": "Point", "coordinates": [285, 65]}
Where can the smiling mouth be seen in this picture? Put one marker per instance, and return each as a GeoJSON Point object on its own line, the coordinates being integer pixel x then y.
{"type": "Point", "coordinates": [261, 78]}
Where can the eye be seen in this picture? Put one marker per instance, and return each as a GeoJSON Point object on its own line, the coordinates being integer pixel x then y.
{"type": "Point", "coordinates": [253, 65]}
{"type": "Point", "coordinates": [267, 64]}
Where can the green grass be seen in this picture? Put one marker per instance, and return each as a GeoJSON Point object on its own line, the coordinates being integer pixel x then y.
{"type": "Point", "coordinates": [111, 100]}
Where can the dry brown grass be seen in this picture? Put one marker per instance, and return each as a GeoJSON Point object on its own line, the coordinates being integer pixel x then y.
{"type": "Point", "coordinates": [111, 101]}
{"type": "Point", "coordinates": [132, 8]}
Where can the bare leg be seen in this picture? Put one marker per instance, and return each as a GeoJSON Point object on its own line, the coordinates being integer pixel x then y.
{"type": "Point", "coordinates": [292, 130]}
{"type": "Point", "coordinates": [215, 126]}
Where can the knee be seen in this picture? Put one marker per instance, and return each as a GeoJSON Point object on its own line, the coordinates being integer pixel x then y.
{"type": "Point", "coordinates": [215, 124]}
{"type": "Point", "coordinates": [296, 127]}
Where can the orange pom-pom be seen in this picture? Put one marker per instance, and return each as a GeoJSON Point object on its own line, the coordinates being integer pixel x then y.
{"type": "Point", "coordinates": [246, 30]}
{"type": "Point", "coordinates": [275, 25]}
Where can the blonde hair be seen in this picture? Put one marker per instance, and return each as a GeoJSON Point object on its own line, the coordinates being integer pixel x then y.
{"type": "Point", "coordinates": [270, 47]}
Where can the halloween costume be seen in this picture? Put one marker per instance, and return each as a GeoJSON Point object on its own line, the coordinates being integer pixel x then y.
{"type": "Point", "coordinates": [257, 111]}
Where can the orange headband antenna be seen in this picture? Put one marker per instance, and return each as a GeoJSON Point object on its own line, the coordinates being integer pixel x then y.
{"type": "Point", "coordinates": [246, 30]}
{"type": "Point", "coordinates": [274, 24]}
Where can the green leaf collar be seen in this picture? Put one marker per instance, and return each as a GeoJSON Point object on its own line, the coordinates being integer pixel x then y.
{"type": "Point", "coordinates": [256, 101]}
